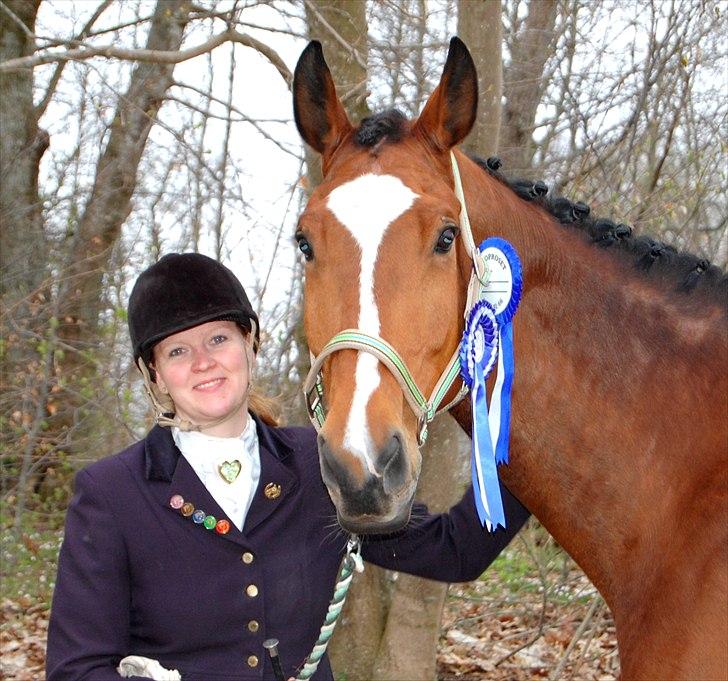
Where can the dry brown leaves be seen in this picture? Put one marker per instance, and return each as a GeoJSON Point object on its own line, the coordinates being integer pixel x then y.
{"type": "Point", "coordinates": [526, 638]}
{"type": "Point", "coordinates": [23, 631]}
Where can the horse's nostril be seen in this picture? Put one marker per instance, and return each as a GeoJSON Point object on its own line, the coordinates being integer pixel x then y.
{"type": "Point", "coordinates": [392, 463]}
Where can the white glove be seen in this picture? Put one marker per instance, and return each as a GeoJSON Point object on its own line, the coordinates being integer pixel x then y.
{"type": "Point", "coordinates": [136, 665]}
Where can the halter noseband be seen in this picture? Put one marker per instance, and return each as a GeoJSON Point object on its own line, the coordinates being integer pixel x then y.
{"type": "Point", "coordinates": [355, 339]}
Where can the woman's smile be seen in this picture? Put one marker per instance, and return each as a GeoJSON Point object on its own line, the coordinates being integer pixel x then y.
{"type": "Point", "coordinates": [211, 385]}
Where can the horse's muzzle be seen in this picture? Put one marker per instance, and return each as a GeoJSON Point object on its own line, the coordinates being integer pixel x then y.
{"type": "Point", "coordinates": [375, 502]}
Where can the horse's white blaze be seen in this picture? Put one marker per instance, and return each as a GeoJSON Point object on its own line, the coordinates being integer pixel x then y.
{"type": "Point", "coordinates": [366, 206]}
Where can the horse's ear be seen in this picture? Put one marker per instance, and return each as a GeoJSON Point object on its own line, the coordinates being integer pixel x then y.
{"type": "Point", "coordinates": [320, 116]}
{"type": "Point", "coordinates": [450, 111]}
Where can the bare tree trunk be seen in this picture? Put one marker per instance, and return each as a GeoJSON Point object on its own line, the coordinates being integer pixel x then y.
{"type": "Point", "coordinates": [409, 643]}
{"type": "Point", "coordinates": [110, 201]}
{"type": "Point", "coordinates": [99, 227]}
{"type": "Point", "coordinates": [23, 253]}
{"type": "Point", "coordinates": [353, 647]}
{"type": "Point", "coordinates": [480, 26]}
{"type": "Point", "coordinates": [23, 258]}
{"type": "Point", "coordinates": [524, 84]}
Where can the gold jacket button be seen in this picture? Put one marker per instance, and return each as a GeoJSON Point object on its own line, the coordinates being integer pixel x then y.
{"type": "Point", "coordinates": [253, 626]}
{"type": "Point", "coordinates": [252, 590]}
{"type": "Point", "coordinates": [253, 661]}
{"type": "Point", "coordinates": [272, 490]}
{"type": "Point", "coordinates": [248, 558]}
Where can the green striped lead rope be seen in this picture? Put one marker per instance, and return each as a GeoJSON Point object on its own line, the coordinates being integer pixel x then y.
{"type": "Point", "coordinates": [352, 562]}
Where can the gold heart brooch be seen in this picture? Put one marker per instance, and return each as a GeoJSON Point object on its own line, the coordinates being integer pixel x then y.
{"type": "Point", "coordinates": [229, 470]}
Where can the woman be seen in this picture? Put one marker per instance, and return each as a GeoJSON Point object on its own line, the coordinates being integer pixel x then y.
{"type": "Point", "coordinates": [214, 533]}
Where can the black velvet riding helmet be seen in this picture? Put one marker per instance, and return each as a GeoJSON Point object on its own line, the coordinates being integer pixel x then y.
{"type": "Point", "coordinates": [180, 291]}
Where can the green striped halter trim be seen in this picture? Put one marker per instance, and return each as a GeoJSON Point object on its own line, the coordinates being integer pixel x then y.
{"type": "Point", "coordinates": [355, 339]}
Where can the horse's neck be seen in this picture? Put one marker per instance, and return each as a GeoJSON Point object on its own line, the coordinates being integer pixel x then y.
{"type": "Point", "coordinates": [614, 400]}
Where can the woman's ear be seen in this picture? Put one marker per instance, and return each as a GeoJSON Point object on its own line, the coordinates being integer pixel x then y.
{"type": "Point", "coordinates": [252, 357]}
{"type": "Point", "coordinates": [154, 375]}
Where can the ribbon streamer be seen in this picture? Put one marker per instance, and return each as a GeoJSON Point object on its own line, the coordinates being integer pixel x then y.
{"type": "Point", "coordinates": [478, 354]}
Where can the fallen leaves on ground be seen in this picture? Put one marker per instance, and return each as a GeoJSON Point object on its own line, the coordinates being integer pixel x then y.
{"type": "Point", "coordinates": [23, 632]}
{"type": "Point", "coordinates": [488, 633]}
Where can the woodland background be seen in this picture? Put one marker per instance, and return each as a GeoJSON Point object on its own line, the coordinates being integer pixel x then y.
{"type": "Point", "coordinates": [135, 128]}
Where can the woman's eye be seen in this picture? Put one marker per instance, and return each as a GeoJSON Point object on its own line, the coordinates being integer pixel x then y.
{"type": "Point", "coordinates": [175, 352]}
{"type": "Point", "coordinates": [446, 239]}
{"type": "Point", "coordinates": [304, 246]}
{"type": "Point", "coordinates": [216, 340]}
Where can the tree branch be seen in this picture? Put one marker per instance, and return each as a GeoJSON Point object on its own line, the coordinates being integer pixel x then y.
{"type": "Point", "coordinates": [53, 83]}
{"type": "Point", "coordinates": [335, 34]}
{"type": "Point", "coordinates": [153, 56]}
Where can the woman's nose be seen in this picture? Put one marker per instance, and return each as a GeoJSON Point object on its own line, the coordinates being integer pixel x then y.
{"type": "Point", "coordinates": [202, 359]}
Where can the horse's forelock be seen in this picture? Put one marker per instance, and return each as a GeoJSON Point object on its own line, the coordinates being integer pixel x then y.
{"type": "Point", "coordinates": [390, 125]}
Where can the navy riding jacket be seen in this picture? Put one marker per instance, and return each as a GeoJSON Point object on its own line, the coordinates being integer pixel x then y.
{"type": "Point", "coordinates": [137, 577]}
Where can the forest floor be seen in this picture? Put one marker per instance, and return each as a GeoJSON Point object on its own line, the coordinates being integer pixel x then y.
{"type": "Point", "coordinates": [492, 631]}
{"type": "Point", "coordinates": [533, 615]}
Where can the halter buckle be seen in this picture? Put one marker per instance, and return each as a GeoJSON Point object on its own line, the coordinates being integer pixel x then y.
{"type": "Point", "coordinates": [422, 430]}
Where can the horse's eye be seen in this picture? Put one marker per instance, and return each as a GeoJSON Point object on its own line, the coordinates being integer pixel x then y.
{"type": "Point", "coordinates": [304, 246]}
{"type": "Point", "coordinates": [446, 239]}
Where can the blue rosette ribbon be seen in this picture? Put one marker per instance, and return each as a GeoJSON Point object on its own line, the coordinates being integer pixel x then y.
{"type": "Point", "coordinates": [503, 291]}
{"type": "Point", "coordinates": [478, 355]}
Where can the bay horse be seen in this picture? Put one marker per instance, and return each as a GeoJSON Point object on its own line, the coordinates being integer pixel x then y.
{"type": "Point", "coordinates": [619, 434]}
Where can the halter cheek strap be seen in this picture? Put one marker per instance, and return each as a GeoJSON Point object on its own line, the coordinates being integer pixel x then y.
{"type": "Point", "coordinates": [355, 339]}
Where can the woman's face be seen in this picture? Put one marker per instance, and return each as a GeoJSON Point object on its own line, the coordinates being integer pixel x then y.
{"type": "Point", "coordinates": [206, 371]}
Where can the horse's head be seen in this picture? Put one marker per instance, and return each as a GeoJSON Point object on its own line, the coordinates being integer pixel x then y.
{"type": "Point", "coordinates": [379, 236]}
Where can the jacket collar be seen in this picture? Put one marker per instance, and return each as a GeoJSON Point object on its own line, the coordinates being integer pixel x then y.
{"type": "Point", "coordinates": [161, 453]}
{"type": "Point", "coordinates": [166, 465]}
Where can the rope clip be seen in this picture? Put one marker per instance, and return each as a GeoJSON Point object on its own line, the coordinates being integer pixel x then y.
{"type": "Point", "coordinates": [353, 552]}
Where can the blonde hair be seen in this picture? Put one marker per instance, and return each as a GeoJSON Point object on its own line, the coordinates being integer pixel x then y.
{"type": "Point", "coordinates": [267, 409]}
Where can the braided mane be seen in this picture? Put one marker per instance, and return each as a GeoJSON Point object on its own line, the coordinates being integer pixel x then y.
{"type": "Point", "coordinates": [681, 271]}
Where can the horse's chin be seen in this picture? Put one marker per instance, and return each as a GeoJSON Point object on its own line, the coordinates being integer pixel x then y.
{"type": "Point", "coordinates": [372, 524]}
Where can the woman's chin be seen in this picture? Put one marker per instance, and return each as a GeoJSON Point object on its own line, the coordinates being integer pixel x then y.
{"type": "Point", "coordinates": [222, 423]}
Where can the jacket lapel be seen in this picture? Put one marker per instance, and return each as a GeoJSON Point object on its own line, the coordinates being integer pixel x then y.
{"type": "Point", "coordinates": [166, 465]}
{"type": "Point", "coordinates": [277, 481]}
